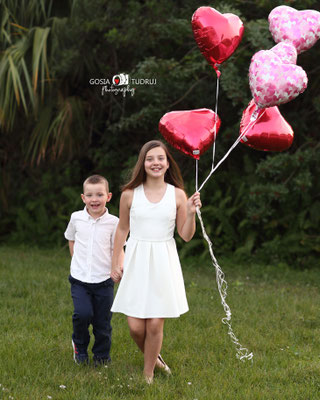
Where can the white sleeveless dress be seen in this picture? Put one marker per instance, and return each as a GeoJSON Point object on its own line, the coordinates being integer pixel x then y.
{"type": "Point", "coordinates": [152, 285]}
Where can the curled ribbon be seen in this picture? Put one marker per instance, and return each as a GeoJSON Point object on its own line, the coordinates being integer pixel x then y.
{"type": "Point", "coordinates": [242, 352]}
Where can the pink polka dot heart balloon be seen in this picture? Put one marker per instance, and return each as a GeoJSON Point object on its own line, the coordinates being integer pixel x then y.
{"type": "Point", "coordinates": [286, 51]}
{"type": "Point", "coordinates": [274, 82]}
{"type": "Point", "coordinates": [301, 28]}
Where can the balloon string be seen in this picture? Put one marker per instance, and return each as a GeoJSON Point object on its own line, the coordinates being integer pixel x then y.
{"type": "Point", "coordinates": [215, 121]}
{"type": "Point", "coordinates": [242, 353]}
{"type": "Point", "coordinates": [250, 125]}
{"type": "Point", "coordinates": [215, 133]}
{"type": "Point", "coordinates": [197, 172]}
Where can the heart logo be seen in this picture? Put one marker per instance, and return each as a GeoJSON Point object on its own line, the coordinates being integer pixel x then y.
{"type": "Point", "coordinates": [269, 132]}
{"type": "Point", "coordinates": [286, 51]}
{"type": "Point", "coordinates": [301, 28]}
{"type": "Point", "coordinates": [190, 131]}
{"type": "Point", "coordinates": [116, 81]}
{"type": "Point", "coordinates": [217, 35]}
{"type": "Point", "coordinates": [273, 82]}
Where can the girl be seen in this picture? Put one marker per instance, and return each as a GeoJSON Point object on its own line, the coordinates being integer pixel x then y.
{"type": "Point", "coordinates": [152, 287]}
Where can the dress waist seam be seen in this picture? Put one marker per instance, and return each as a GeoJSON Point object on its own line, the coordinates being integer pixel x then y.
{"type": "Point", "coordinates": [150, 239]}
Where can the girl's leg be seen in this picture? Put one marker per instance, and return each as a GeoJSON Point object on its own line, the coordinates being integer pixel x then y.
{"type": "Point", "coordinates": [148, 335]}
{"type": "Point", "coordinates": [137, 328]}
{"type": "Point", "coordinates": [152, 344]}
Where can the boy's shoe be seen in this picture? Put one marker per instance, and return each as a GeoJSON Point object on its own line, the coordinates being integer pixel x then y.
{"type": "Point", "coordinates": [79, 358]}
{"type": "Point", "coordinates": [98, 361]}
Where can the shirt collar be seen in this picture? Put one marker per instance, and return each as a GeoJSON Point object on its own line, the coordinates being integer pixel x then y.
{"type": "Point", "coordinates": [88, 216]}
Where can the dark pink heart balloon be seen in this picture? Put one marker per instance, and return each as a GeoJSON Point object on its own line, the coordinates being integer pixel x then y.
{"type": "Point", "coordinates": [269, 132]}
{"type": "Point", "coordinates": [190, 131]}
{"type": "Point", "coordinates": [301, 28]}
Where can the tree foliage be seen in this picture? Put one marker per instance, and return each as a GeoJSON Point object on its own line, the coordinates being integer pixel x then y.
{"type": "Point", "coordinates": [57, 127]}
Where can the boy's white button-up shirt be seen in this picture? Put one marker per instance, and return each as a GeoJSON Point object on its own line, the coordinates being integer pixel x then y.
{"type": "Point", "coordinates": [93, 245]}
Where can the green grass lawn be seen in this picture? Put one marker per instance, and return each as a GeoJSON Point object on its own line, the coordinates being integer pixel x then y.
{"type": "Point", "coordinates": [275, 314]}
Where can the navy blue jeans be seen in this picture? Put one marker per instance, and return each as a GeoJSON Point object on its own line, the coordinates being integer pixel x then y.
{"type": "Point", "coordinates": [92, 303]}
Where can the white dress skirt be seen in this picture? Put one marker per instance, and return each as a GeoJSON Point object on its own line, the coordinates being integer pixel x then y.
{"type": "Point", "coordinates": [152, 285]}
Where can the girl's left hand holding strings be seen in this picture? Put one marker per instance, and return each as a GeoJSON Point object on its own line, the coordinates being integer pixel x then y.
{"type": "Point", "coordinates": [193, 202]}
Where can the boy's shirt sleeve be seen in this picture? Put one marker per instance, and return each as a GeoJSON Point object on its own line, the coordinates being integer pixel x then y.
{"type": "Point", "coordinates": [70, 232]}
{"type": "Point", "coordinates": [114, 233]}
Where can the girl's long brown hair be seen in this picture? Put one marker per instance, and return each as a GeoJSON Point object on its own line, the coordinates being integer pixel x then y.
{"type": "Point", "coordinates": [138, 176]}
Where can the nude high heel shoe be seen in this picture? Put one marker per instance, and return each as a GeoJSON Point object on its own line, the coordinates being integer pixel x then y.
{"type": "Point", "coordinates": [148, 379]}
{"type": "Point", "coordinates": [162, 365]}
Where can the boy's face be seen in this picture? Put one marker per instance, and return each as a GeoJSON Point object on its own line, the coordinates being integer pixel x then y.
{"type": "Point", "coordinates": [95, 197]}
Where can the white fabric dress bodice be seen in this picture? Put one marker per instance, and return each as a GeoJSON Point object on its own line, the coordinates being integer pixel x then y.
{"type": "Point", "coordinates": [152, 285]}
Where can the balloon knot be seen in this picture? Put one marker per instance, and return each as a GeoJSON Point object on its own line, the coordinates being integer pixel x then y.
{"type": "Point", "coordinates": [216, 68]}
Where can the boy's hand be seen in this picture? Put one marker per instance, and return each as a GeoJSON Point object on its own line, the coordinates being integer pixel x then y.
{"type": "Point", "coordinates": [116, 273]}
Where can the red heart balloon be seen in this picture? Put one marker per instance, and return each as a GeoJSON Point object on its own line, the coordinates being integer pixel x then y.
{"type": "Point", "coordinates": [217, 35]}
{"type": "Point", "coordinates": [268, 132]}
{"type": "Point", "coordinates": [190, 131]}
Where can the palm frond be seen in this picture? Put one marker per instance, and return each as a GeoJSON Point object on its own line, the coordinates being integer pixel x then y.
{"type": "Point", "coordinates": [29, 12]}
{"type": "Point", "coordinates": [15, 77]}
{"type": "Point", "coordinates": [4, 31]}
{"type": "Point", "coordinates": [38, 142]}
{"type": "Point", "coordinates": [53, 133]}
{"type": "Point", "coordinates": [15, 81]}
{"type": "Point", "coordinates": [39, 58]}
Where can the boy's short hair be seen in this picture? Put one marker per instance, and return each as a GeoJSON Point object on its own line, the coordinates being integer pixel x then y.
{"type": "Point", "coordinates": [94, 179]}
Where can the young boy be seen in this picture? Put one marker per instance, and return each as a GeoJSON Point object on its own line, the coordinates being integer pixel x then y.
{"type": "Point", "coordinates": [90, 233]}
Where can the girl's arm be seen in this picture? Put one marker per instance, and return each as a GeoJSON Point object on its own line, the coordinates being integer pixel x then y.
{"type": "Point", "coordinates": [186, 210]}
{"type": "Point", "coordinates": [121, 235]}
{"type": "Point", "coordinates": [71, 246]}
